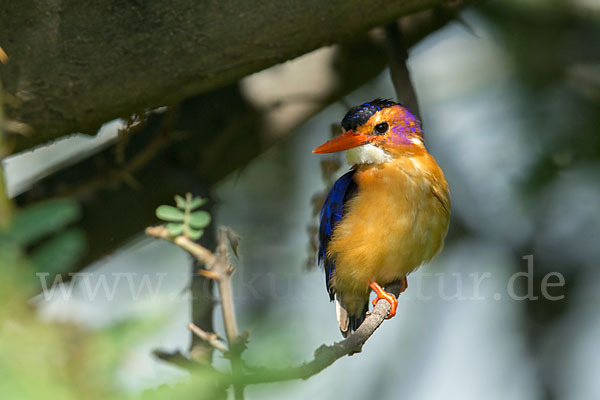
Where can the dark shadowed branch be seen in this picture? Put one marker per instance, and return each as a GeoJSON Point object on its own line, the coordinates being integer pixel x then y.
{"type": "Point", "coordinates": [398, 55]}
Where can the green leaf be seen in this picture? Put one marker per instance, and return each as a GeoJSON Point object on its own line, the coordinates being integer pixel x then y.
{"type": "Point", "coordinates": [197, 202]}
{"type": "Point", "coordinates": [60, 253]}
{"type": "Point", "coordinates": [169, 213]}
{"type": "Point", "coordinates": [199, 219]}
{"type": "Point", "coordinates": [37, 221]}
{"type": "Point", "coordinates": [175, 229]}
{"type": "Point", "coordinates": [194, 234]}
{"type": "Point", "coordinates": [180, 201]}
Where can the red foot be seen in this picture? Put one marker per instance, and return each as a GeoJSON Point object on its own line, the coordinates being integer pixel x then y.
{"type": "Point", "coordinates": [382, 294]}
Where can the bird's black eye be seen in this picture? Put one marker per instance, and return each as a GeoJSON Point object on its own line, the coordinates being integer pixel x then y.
{"type": "Point", "coordinates": [381, 128]}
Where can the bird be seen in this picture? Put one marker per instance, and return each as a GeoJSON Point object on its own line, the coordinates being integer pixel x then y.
{"type": "Point", "coordinates": [385, 217]}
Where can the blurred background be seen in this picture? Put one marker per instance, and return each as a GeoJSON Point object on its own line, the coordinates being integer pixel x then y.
{"type": "Point", "coordinates": [510, 104]}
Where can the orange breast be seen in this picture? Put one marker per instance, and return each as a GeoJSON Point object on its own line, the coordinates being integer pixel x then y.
{"type": "Point", "coordinates": [397, 221]}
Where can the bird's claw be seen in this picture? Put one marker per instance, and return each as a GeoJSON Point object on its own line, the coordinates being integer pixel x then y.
{"type": "Point", "coordinates": [382, 294]}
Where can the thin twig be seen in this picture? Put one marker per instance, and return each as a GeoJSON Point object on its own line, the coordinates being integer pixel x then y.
{"type": "Point", "coordinates": [220, 269]}
{"type": "Point", "coordinates": [223, 268]}
{"type": "Point", "coordinates": [210, 338]}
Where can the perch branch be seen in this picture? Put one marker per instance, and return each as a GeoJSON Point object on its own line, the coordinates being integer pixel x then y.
{"type": "Point", "coordinates": [326, 355]}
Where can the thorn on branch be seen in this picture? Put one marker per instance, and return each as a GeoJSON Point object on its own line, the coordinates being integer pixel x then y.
{"type": "Point", "coordinates": [210, 338]}
{"type": "Point", "coordinates": [234, 241]}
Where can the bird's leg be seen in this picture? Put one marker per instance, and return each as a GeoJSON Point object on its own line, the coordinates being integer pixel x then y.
{"type": "Point", "coordinates": [382, 294]}
{"type": "Point", "coordinates": [404, 285]}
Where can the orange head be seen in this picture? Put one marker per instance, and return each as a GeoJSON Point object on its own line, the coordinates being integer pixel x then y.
{"type": "Point", "coordinates": [377, 130]}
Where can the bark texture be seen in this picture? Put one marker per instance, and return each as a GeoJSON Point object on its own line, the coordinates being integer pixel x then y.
{"type": "Point", "coordinates": [73, 66]}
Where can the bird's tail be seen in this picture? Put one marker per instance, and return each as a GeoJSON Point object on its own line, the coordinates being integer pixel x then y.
{"type": "Point", "coordinates": [349, 321]}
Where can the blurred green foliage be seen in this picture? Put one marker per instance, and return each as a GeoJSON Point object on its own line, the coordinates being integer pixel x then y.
{"type": "Point", "coordinates": [57, 360]}
{"type": "Point", "coordinates": [34, 222]}
{"type": "Point", "coordinates": [51, 360]}
{"type": "Point", "coordinates": [38, 359]}
{"type": "Point", "coordinates": [41, 231]}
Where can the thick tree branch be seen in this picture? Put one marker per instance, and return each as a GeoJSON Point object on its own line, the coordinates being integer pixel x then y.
{"type": "Point", "coordinates": [71, 68]}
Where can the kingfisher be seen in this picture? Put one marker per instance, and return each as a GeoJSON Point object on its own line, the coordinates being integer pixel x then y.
{"type": "Point", "coordinates": [386, 216]}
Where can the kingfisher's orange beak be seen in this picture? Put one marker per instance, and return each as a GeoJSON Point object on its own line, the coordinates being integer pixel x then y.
{"type": "Point", "coordinates": [343, 142]}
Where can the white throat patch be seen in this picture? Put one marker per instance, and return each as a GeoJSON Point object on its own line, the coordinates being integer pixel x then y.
{"type": "Point", "coordinates": [367, 154]}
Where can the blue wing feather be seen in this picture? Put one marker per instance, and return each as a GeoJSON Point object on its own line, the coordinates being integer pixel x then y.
{"type": "Point", "coordinates": [331, 213]}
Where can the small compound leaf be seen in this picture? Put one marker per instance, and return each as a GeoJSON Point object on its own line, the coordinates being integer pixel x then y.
{"type": "Point", "coordinates": [175, 229]}
{"type": "Point", "coordinates": [199, 219]}
{"type": "Point", "coordinates": [169, 213]}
